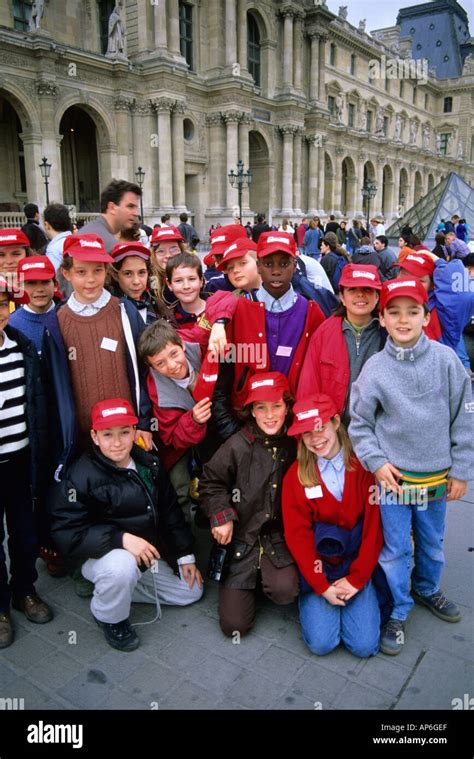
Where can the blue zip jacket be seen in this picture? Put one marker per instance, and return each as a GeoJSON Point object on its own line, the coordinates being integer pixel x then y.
{"type": "Point", "coordinates": [453, 297]}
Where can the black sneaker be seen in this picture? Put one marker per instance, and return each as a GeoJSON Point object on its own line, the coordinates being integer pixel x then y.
{"type": "Point", "coordinates": [120, 635]}
{"type": "Point", "coordinates": [439, 606]}
{"type": "Point", "coordinates": [392, 637]}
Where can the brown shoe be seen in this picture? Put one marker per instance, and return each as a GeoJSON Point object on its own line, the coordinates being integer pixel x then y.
{"type": "Point", "coordinates": [6, 630]}
{"type": "Point", "coordinates": [34, 609]}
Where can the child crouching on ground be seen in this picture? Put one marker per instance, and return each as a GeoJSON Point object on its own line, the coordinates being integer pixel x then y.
{"type": "Point", "coordinates": [333, 530]}
{"type": "Point", "coordinates": [241, 493]}
{"type": "Point", "coordinates": [123, 517]}
{"type": "Point", "coordinates": [412, 426]}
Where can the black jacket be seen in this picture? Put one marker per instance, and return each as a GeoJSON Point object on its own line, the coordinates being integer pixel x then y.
{"type": "Point", "coordinates": [35, 409]}
{"type": "Point", "coordinates": [35, 235]}
{"type": "Point", "coordinates": [97, 502]}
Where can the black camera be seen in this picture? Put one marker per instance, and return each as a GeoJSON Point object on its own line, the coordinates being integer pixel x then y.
{"type": "Point", "coordinates": [219, 562]}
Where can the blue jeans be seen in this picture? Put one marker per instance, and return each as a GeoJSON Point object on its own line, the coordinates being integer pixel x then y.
{"type": "Point", "coordinates": [357, 624]}
{"type": "Point", "coordinates": [395, 559]}
{"type": "Point", "coordinates": [462, 353]}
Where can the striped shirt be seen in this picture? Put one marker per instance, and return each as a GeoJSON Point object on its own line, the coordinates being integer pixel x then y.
{"type": "Point", "coordinates": [13, 427]}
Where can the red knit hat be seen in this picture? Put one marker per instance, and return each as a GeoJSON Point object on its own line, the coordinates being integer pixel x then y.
{"type": "Point", "coordinates": [35, 268]}
{"type": "Point", "coordinates": [312, 413]}
{"type": "Point", "coordinates": [237, 249]}
{"type": "Point", "coordinates": [115, 412]}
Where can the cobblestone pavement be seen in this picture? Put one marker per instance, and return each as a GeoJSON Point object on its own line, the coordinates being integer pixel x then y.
{"type": "Point", "coordinates": [184, 661]}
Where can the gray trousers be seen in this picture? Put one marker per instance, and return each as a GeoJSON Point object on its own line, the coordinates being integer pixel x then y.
{"type": "Point", "coordinates": [119, 583]}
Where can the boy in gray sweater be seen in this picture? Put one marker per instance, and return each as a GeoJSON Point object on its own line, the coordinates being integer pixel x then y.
{"type": "Point", "coordinates": [412, 426]}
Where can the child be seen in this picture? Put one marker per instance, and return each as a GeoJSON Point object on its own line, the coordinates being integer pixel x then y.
{"type": "Point", "coordinates": [241, 493]}
{"type": "Point", "coordinates": [14, 247]}
{"type": "Point", "coordinates": [124, 510]}
{"type": "Point", "coordinates": [341, 345]}
{"type": "Point", "coordinates": [221, 239]}
{"type": "Point", "coordinates": [185, 280]}
{"type": "Point", "coordinates": [23, 431]}
{"type": "Point", "coordinates": [130, 273]}
{"type": "Point", "coordinates": [37, 276]}
{"type": "Point", "coordinates": [182, 422]}
{"type": "Point", "coordinates": [99, 333]}
{"type": "Point", "coordinates": [239, 263]}
{"type": "Point", "coordinates": [334, 258]}
{"type": "Point", "coordinates": [165, 242]}
{"type": "Point", "coordinates": [333, 530]}
{"type": "Point", "coordinates": [406, 391]}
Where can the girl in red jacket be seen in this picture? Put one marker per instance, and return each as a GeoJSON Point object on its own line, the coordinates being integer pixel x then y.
{"type": "Point", "coordinates": [333, 530]}
{"type": "Point", "coordinates": [342, 344]}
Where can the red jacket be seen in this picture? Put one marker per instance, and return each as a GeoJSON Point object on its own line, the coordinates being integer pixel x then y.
{"type": "Point", "coordinates": [300, 513]}
{"type": "Point", "coordinates": [433, 331]}
{"type": "Point", "coordinates": [326, 365]}
{"type": "Point", "coordinates": [248, 329]}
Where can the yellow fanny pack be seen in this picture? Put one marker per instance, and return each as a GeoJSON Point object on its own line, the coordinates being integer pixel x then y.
{"type": "Point", "coordinates": [423, 486]}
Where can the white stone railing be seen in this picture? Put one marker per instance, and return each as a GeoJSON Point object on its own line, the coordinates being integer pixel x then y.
{"type": "Point", "coordinates": [12, 219]}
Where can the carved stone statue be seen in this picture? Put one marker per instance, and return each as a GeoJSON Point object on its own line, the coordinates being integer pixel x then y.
{"type": "Point", "coordinates": [343, 12]}
{"type": "Point", "coordinates": [362, 25]}
{"type": "Point", "coordinates": [413, 132]}
{"type": "Point", "coordinates": [379, 123]}
{"type": "Point", "coordinates": [460, 153]}
{"type": "Point", "coordinates": [398, 128]}
{"type": "Point", "coordinates": [438, 144]}
{"type": "Point", "coordinates": [338, 107]}
{"type": "Point", "coordinates": [426, 137]}
{"type": "Point", "coordinates": [37, 10]}
{"type": "Point", "coordinates": [363, 117]}
{"type": "Point", "coordinates": [116, 33]}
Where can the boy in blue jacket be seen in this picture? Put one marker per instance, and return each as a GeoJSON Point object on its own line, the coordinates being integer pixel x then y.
{"type": "Point", "coordinates": [413, 385]}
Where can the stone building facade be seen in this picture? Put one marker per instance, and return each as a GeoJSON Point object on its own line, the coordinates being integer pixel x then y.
{"type": "Point", "coordinates": [287, 87]}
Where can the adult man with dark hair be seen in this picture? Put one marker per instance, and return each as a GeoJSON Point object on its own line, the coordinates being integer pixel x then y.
{"type": "Point", "coordinates": [32, 229]}
{"type": "Point", "coordinates": [188, 232]}
{"type": "Point", "coordinates": [332, 225]}
{"type": "Point", "coordinates": [259, 227]}
{"type": "Point", "coordinates": [57, 224]}
{"type": "Point", "coordinates": [118, 212]}
{"type": "Point", "coordinates": [387, 255]}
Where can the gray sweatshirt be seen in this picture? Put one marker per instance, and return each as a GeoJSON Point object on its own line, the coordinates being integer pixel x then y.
{"type": "Point", "coordinates": [413, 408]}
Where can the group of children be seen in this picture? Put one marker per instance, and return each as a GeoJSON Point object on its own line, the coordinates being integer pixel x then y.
{"type": "Point", "coordinates": [311, 436]}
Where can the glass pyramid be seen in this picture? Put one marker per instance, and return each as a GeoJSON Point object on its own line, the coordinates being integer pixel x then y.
{"type": "Point", "coordinates": [451, 195]}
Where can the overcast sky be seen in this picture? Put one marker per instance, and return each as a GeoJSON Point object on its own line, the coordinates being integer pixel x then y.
{"type": "Point", "coordinates": [379, 13]}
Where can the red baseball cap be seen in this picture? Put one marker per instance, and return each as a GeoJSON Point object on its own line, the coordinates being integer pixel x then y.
{"type": "Point", "coordinates": [35, 267]}
{"type": "Point", "coordinates": [273, 242]}
{"type": "Point", "coordinates": [312, 413]}
{"type": "Point", "coordinates": [237, 249]}
{"type": "Point", "coordinates": [403, 287]}
{"type": "Point", "coordinates": [221, 239]}
{"type": "Point", "coordinates": [13, 236]}
{"type": "Point", "coordinates": [269, 387]}
{"type": "Point", "coordinates": [125, 249]}
{"type": "Point", "coordinates": [87, 247]}
{"type": "Point", "coordinates": [166, 234]}
{"type": "Point", "coordinates": [360, 275]}
{"type": "Point", "coordinates": [115, 412]}
{"type": "Point", "coordinates": [418, 264]}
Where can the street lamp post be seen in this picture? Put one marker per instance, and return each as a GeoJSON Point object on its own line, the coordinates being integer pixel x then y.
{"type": "Point", "coordinates": [241, 180]}
{"type": "Point", "coordinates": [140, 177]}
{"type": "Point", "coordinates": [45, 173]}
{"type": "Point", "coordinates": [369, 191]}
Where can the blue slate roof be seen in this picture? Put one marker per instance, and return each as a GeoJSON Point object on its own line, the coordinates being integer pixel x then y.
{"type": "Point", "coordinates": [437, 29]}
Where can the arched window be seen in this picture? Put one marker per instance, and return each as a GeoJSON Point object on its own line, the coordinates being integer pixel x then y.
{"type": "Point", "coordinates": [253, 49]}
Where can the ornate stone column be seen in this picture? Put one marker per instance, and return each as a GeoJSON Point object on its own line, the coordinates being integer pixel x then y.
{"type": "Point", "coordinates": [362, 157]}
{"type": "Point", "coordinates": [314, 150]}
{"type": "Point", "coordinates": [160, 25]}
{"type": "Point", "coordinates": [287, 15]}
{"type": "Point", "coordinates": [217, 160]}
{"type": "Point", "coordinates": [298, 52]}
{"type": "Point", "coordinates": [163, 107]}
{"type": "Point", "coordinates": [232, 119]}
{"type": "Point", "coordinates": [314, 67]}
{"type": "Point", "coordinates": [122, 108]}
{"type": "Point", "coordinates": [173, 26]}
{"type": "Point", "coordinates": [396, 210]}
{"type": "Point", "coordinates": [287, 173]}
{"type": "Point", "coordinates": [230, 41]}
{"type": "Point", "coordinates": [377, 203]}
{"type": "Point", "coordinates": [323, 38]}
{"type": "Point", "coordinates": [337, 179]}
{"type": "Point", "coordinates": [245, 126]}
{"type": "Point", "coordinates": [297, 169]}
{"type": "Point", "coordinates": [47, 94]}
{"type": "Point", "coordinates": [145, 152]}
{"type": "Point", "coordinates": [410, 201]}
{"type": "Point", "coordinates": [33, 150]}
{"type": "Point", "coordinates": [242, 33]}
{"type": "Point", "coordinates": [179, 188]}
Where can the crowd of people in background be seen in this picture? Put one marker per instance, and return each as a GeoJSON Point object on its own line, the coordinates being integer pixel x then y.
{"type": "Point", "coordinates": [277, 394]}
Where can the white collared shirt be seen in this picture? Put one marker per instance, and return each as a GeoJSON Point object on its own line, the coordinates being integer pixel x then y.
{"type": "Point", "coordinates": [88, 309]}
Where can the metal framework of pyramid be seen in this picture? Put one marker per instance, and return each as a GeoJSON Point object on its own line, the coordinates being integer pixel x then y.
{"type": "Point", "coordinates": [452, 195]}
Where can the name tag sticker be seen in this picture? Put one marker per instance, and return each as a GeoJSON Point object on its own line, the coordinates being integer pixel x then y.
{"type": "Point", "coordinates": [109, 345]}
{"type": "Point", "coordinates": [315, 492]}
{"type": "Point", "coordinates": [284, 350]}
